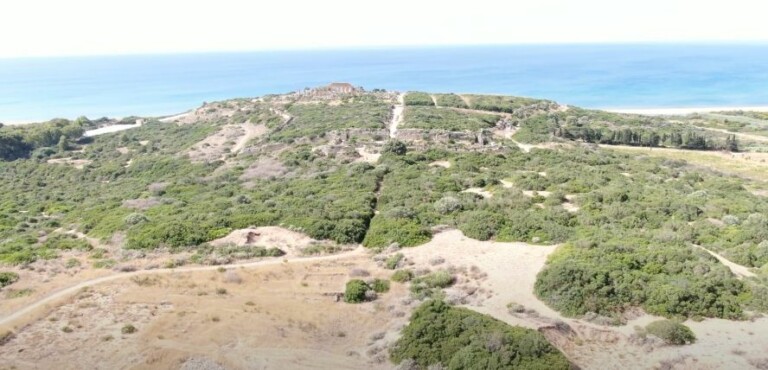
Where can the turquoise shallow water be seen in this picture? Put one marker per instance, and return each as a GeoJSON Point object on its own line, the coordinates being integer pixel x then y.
{"type": "Point", "coordinates": [596, 76]}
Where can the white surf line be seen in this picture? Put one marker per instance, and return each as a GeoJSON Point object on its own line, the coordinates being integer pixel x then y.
{"type": "Point", "coordinates": [397, 116]}
{"type": "Point", "coordinates": [88, 283]}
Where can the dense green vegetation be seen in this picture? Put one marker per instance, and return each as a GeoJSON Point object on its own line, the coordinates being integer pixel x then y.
{"type": "Point", "coordinates": [450, 100]}
{"type": "Point", "coordinates": [458, 338]}
{"type": "Point", "coordinates": [506, 104]}
{"type": "Point", "coordinates": [431, 118]}
{"type": "Point", "coordinates": [311, 121]}
{"type": "Point", "coordinates": [601, 127]}
{"type": "Point", "coordinates": [418, 98]}
{"type": "Point", "coordinates": [56, 135]}
{"type": "Point", "coordinates": [672, 332]}
{"type": "Point", "coordinates": [631, 243]}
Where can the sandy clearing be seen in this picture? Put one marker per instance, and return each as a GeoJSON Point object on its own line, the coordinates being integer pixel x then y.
{"type": "Point", "coordinates": [230, 139]}
{"type": "Point", "coordinates": [111, 129]}
{"type": "Point", "coordinates": [366, 156]}
{"type": "Point", "coordinates": [570, 207]}
{"type": "Point", "coordinates": [251, 132]}
{"type": "Point", "coordinates": [397, 115]}
{"type": "Point", "coordinates": [76, 163]}
{"type": "Point", "coordinates": [533, 193]}
{"type": "Point", "coordinates": [444, 164]}
{"type": "Point", "coordinates": [511, 270]}
{"type": "Point", "coordinates": [736, 269]}
{"type": "Point", "coordinates": [480, 191]}
{"type": "Point", "coordinates": [174, 118]}
{"type": "Point", "coordinates": [506, 184]}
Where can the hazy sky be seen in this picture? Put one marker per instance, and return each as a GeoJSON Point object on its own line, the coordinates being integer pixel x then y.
{"type": "Point", "coordinates": [76, 27]}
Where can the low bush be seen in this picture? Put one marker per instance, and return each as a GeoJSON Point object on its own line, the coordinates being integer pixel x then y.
{"type": "Point", "coordinates": [402, 276]}
{"type": "Point", "coordinates": [418, 98]}
{"type": "Point", "coordinates": [8, 278]}
{"type": "Point", "coordinates": [380, 285]}
{"type": "Point", "coordinates": [672, 332]}
{"type": "Point", "coordinates": [355, 291]}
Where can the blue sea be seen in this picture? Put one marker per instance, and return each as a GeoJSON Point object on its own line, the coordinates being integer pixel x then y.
{"type": "Point", "coordinates": [594, 76]}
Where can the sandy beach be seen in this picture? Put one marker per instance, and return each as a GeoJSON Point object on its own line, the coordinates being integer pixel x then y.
{"type": "Point", "coordinates": [684, 111]}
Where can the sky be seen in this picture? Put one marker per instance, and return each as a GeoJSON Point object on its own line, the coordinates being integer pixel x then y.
{"type": "Point", "coordinates": [98, 27]}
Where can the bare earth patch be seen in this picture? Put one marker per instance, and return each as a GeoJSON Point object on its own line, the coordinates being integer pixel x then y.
{"type": "Point", "coordinates": [264, 168]}
{"type": "Point", "coordinates": [142, 204]}
{"type": "Point", "coordinates": [479, 191]}
{"type": "Point", "coordinates": [444, 164]}
{"type": "Point", "coordinates": [229, 139]}
{"type": "Point", "coordinates": [281, 316]}
{"type": "Point", "coordinates": [76, 163]}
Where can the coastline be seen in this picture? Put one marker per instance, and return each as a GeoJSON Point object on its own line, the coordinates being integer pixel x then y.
{"type": "Point", "coordinates": [683, 111]}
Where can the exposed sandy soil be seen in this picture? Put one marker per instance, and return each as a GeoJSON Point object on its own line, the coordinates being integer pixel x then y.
{"type": "Point", "coordinates": [444, 164]}
{"type": "Point", "coordinates": [291, 242]}
{"type": "Point", "coordinates": [264, 168]}
{"type": "Point", "coordinates": [480, 191]}
{"type": "Point", "coordinates": [508, 271]}
{"type": "Point", "coordinates": [275, 317]}
{"type": "Point", "coordinates": [230, 139]}
{"type": "Point", "coordinates": [397, 116]}
{"type": "Point", "coordinates": [367, 156]}
{"type": "Point", "coordinates": [736, 269]}
{"type": "Point", "coordinates": [76, 163]}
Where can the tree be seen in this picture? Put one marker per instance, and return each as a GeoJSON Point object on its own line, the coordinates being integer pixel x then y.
{"type": "Point", "coordinates": [63, 144]}
{"type": "Point", "coordinates": [395, 147]}
{"type": "Point", "coordinates": [731, 144]}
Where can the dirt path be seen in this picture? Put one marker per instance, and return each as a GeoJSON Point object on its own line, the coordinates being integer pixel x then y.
{"type": "Point", "coordinates": [466, 101]}
{"type": "Point", "coordinates": [397, 116]}
{"type": "Point", "coordinates": [251, 132]}
{"type": "Point", "coordinates": [47, 301]}
{"type": "Point", "coordinates": [736, 269]}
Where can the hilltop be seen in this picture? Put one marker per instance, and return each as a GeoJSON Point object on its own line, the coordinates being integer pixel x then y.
{"type": "Point", "coordinates": [566, 226]}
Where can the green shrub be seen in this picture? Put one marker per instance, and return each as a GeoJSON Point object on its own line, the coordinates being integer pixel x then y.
{"type": "Point", "coordinates": [395, 147]}
{"type": "Point", "coordinates": [355, 291]}
{"type": "Point", "coordinates": [672, 332]}
{"type": "Point", "coordinates": [385, 231]}
{"type": "Point", "coordinates": [418, 98]}
{"type": "Point", "coordinates": [393, 260]}
{"type": "Point", "coordinates": [72, 263]}
{"type": "Point", "coordinates": [402, 276]}
{"type": "Point", "coordinates": [128, 329]}
{"type": "Point", "coordinates": [380, 285]}
{"type": "Point", "coordinates": [8, 278]}
{"type": "Point", "coordinates": [450, 100]}
{"type": "Point", "coordinates": [431, 284]}
{"type": "Point", "coordinates": [458, 338]}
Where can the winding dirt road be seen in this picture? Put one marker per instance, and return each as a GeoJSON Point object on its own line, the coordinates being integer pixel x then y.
{"type": "Point", "coordinates": [41, 303]}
